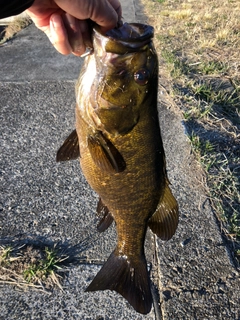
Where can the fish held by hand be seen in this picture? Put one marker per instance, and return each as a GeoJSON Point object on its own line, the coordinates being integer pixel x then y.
{"type": "Point", "coordinates": [122, 155]}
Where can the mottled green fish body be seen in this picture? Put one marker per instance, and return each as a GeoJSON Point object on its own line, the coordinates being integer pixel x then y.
{"type": "Point", "coordinates": [122, 155]}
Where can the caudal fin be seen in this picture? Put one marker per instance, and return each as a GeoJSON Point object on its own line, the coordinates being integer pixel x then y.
{"type": "Point", "coordinates": [128, 278]}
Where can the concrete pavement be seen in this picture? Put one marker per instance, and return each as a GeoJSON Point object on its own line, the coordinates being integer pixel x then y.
{"type": "Point", "coordinates": [192, 274]}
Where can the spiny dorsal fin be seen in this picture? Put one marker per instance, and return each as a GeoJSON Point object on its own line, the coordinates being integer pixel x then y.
{"type": "Point", "coordinates": [129, 278]}
{"type": "Point", "coordinates": [104, 154]}
{"type": "Point", "coordinates": [165, 219]}
{"type": "Point", "coordinates": [106, 216]}
{"type": "Point", "coordinates": [70, 148]}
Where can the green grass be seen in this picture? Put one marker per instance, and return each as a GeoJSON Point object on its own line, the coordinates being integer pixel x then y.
{"type": "Point", "coordinates": [223, 182]}
{"type": "Point", "coordinates": [31, 266]}
{"type": "Point", "coordinates": [44, 268]}
{"type": "Point", "coordinates": [199, 44]}
{"type": "Point", "coordinates": [6, 256]}
{"type": "Point", "coordinates": [213, 67]}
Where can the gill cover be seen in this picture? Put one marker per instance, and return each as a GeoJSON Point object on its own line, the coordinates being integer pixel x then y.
{"type": "Point", "coordinates": [127, 69]}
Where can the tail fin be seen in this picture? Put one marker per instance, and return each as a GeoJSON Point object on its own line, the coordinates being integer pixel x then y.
{"type": "Point", "coordinates": [128, 278]}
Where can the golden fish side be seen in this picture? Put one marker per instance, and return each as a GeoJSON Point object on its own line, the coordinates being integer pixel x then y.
{"type": "Point", "coordinates": [122, 155]}
{"type": "Point", "coordinates": [132, 197]}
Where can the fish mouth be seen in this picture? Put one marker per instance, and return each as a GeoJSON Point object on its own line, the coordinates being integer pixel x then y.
{"type": "Point", "coordinates": [129, 37]}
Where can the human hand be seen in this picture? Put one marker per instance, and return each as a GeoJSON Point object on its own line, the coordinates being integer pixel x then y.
{"type": "Point", "coordinates": [66, 22]}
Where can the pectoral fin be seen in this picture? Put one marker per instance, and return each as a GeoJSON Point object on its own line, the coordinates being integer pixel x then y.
{"type": "Point", "coordinates": [106, 216]}
{"type": "Point", "coordinates": [104, 154]}
{"type": "Point", "coordinates": [165, 219]}
{"type": "Point", "coordinates": [70, 148]}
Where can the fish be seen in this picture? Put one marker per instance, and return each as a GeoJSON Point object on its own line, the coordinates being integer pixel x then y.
{"type": "Point", "coordinates": [118, 140]}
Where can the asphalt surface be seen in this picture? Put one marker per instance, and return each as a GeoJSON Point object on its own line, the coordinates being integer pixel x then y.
{"type": "Point", "coordinates": [193, 276]}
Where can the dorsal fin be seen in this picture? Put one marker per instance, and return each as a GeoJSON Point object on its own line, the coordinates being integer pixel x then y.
{"type": "Point", "coordinates": [165, 219]}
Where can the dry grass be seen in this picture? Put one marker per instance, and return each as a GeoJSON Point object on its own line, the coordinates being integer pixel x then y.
{"type": "Point", "coordinates": [199, 44]}
{"type": "Point", "coordinates": [13, 28]}
{"type": "Point", "coordinates": [31, 266]}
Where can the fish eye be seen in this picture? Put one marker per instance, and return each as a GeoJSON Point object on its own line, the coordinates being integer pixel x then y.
{"type": "Point", "coordinates": [141, 76]}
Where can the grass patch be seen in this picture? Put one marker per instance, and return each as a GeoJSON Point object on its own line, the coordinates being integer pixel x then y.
{"type": "Point", "coordinates": [198, 44]}
{"type": "Point", "coordinates": [13, 28]}
{"type": "Point", "coordinates": [223, 171]}
{"type": "Point", "coordinates": [32, 266]}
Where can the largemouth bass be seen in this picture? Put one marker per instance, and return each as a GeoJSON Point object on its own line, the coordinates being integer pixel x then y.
{"type": "Point", "coordinates": [121, 154]}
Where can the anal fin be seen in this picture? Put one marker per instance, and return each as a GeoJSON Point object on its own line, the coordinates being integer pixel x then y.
{"type": "Point", "coordinates": [106, 217]}
{"type": "Point", "coordinates": [165, 219]}
{"type": "Point", "coordinates": [70, 148]}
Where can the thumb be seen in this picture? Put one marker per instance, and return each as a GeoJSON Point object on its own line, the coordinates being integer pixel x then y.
{"type": "Point", "coordinates": [105, 13]}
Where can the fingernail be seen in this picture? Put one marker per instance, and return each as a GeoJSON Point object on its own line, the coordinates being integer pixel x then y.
{"type": "Point", "coordinates": [55, 20]}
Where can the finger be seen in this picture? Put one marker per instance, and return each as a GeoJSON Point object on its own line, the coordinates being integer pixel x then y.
{"type": "Point", "coordinates": [103, 12]}
{"type": "Point", "coordinates": [58, 35]}
{"type": "Point", "coordinates": [41, 14]}
{"type": "Point", "coordinates": [117, 7]}
{"type": "Point", "coordinates": [74, 29]}
{"type": "Point", "coordinates": [86, 33]}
